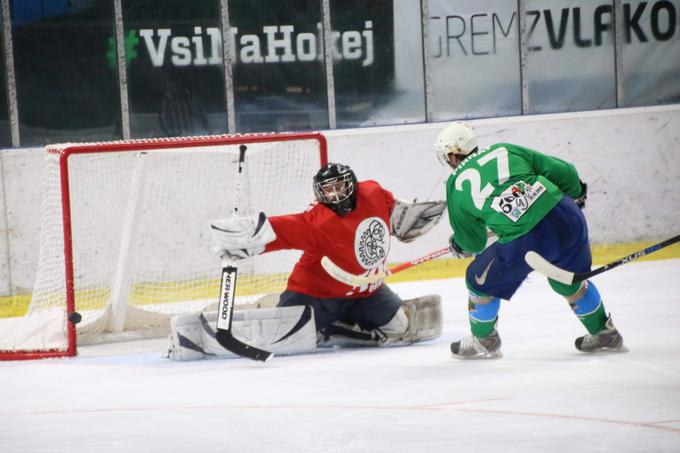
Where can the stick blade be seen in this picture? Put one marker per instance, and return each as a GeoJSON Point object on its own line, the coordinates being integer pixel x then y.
{"type": "Point", "coordinates": [227, 340]}
{"type": "Point", "coordinates": [345, 277]}
{"type": "Point", "coordinates": [543, 266]}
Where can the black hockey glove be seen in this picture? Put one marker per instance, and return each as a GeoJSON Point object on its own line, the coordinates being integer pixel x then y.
{"type": "Point", "coordinates": [581, 200]}
{"type": "Point", "coordinates": [456, 251]}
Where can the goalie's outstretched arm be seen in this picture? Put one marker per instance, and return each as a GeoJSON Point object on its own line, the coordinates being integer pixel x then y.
{"type": "Point", "coordinates": [409, 220]}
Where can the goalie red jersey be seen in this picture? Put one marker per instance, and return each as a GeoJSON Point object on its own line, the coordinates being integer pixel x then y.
{"type": "Point", "coordinates": [358, 242]}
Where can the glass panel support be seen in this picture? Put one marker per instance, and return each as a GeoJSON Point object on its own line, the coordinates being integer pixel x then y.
{"type": "Point", "coordinates": [227, 61]}
{"type": "Point", "coordinates": [328, 62]}
{"type": "Point", "coordinates": [523, 52]}
{"type": "Point", "coordinates": [11, 77]}
{"type": "Point", "coordinates": [427, 58]}
{"type": "Point", "coordinates": [618, 50]}
{"type": "Point", "coordinates": [122, 69]}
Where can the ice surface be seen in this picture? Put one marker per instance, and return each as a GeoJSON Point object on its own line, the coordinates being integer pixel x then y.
{"type": "Point", "coordinates": [543, 396]}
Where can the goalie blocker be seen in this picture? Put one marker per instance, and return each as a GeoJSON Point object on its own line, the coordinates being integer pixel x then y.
{"type": "Point", "coordinates": [291, 330]}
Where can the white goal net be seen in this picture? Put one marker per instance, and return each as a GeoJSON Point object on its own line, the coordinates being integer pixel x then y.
{"type": "Point", "coordinates": [125, 239]}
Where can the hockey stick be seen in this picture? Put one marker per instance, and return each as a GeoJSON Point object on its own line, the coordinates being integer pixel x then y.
{"type": "Point", "coordinates": [540, 264]}
{"type": "Point", "coordinates": [225, 308]}
{"type": "Point", "coordinates": [350, 279]}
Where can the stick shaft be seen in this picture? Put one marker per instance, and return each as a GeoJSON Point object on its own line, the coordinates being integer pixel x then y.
{"type": "Point", "coordinates": [540, 264]}
{"type": "Point", "coordinates": [417, 261]}
{"type": "Point", "coordinates": [629, 258]}
{"type": "Point", "coordinates": [350, 279]}
{"type": "Point", "coordinates": [225, 308]}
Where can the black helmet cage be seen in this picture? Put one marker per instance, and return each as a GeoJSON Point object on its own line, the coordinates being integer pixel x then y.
{"type": "Point", "coordinates": [335, 187]}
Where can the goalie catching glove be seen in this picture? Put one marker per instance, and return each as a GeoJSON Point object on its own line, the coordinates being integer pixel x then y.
{"type": "Point", "coordinates": [236, 238]}
{"type": "Point", "coordinates": [410, 220]}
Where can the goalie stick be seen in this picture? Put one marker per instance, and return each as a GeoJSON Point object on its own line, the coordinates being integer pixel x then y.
{"type": "Point", "coordinates": [350, 279]}
{"type": "Point", "coordinates": [225, 308]}
{"type": "Point", "coordinates": [540, 264]}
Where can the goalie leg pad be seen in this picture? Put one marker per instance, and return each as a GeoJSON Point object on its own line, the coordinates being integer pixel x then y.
{"type": "Point", "coordinates": [398, 325]}
{"type": "Point", "coordinates": [185, 338]}
{"type": "Point", "coordinates": [283, 331]}
{"type": "Point", "coordinates": [419, 319]}
{"type": "Point", "coordinates": [425, 319]}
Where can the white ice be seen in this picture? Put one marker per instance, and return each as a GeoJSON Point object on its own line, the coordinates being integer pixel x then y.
{"type": "Point", "coordinates": [542, 396]}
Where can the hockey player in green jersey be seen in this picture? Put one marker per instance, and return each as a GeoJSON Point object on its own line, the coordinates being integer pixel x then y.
{"type": "Point", "coordinates": [528, 201]}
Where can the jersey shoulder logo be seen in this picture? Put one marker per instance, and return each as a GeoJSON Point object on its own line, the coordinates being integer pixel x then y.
{"type": "Point", "coordinates": [371, 242]}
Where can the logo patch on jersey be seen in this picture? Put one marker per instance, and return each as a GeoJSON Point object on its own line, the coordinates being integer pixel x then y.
{"type": "Point", "coordinates": [517, 199]}
{"type": "Point", "coordinates": [481, 279]}
{"type": "Point", "coordinates": [371, 242]}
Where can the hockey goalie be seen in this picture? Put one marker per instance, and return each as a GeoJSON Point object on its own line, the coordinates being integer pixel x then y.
{"type": "Point", "coordinates": [350, 223]}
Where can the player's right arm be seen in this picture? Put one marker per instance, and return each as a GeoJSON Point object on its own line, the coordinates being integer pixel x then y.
{"type": "Point", "coordinates": [469, 231]}
{"type": "Point", "coordinates": [561, 173]}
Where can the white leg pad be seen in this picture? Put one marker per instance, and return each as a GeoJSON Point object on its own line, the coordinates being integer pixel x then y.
{"type": "Point", "coordinates": [417, 319]}
{"type": "Point", "coordinates": [283, 331]}
{"type": "Point", "coordinates": [425, 320]}
{"type": "Point", "coordinates": [398, 325]}
{"type": "Point", "coordinates": [185, 338]}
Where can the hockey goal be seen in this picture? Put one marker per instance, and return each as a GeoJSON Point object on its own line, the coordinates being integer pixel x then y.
{"type": "Point", "coordinates": [125, 240]}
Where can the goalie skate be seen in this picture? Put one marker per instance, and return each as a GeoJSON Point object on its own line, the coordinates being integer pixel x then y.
{"type": "Point", "coordinates": [607, 340]}
{"type": "Point", "coordinates": [478, 348]}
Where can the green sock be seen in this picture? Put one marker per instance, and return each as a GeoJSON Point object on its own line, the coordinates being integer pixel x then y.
{"type": "Point", "coordinates": [482, 329]}
{"type": "Point", "coordinates": [594, 322]}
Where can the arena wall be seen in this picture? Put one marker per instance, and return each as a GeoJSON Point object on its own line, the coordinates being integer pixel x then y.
{"type": "Point", "coordinates": [629, 157]}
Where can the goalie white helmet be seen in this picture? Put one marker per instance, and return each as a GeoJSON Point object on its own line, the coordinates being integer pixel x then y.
{"type": "Point", "coordinates": [458, 138]}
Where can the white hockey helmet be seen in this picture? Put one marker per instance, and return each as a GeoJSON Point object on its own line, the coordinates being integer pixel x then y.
{"type": "Point", "coordinates": [457, 138]}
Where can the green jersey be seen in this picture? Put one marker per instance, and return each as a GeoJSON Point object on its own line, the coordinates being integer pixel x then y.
{"type": "Point", "coordinates": [508, 189]}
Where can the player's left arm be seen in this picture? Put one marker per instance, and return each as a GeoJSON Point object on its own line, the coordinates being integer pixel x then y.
{"type": "Point", "coordinates": [294, 232]}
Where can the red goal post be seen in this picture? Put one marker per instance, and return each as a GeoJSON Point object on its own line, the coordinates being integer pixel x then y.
{"type": "Point", "coordinates": [125, 241]}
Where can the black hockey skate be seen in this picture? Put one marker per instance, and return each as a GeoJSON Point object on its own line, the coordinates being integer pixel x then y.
{"type": "Point", "coordinates": [607, 340]}
{"type": "Point", "coordinates": [478, 348]}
